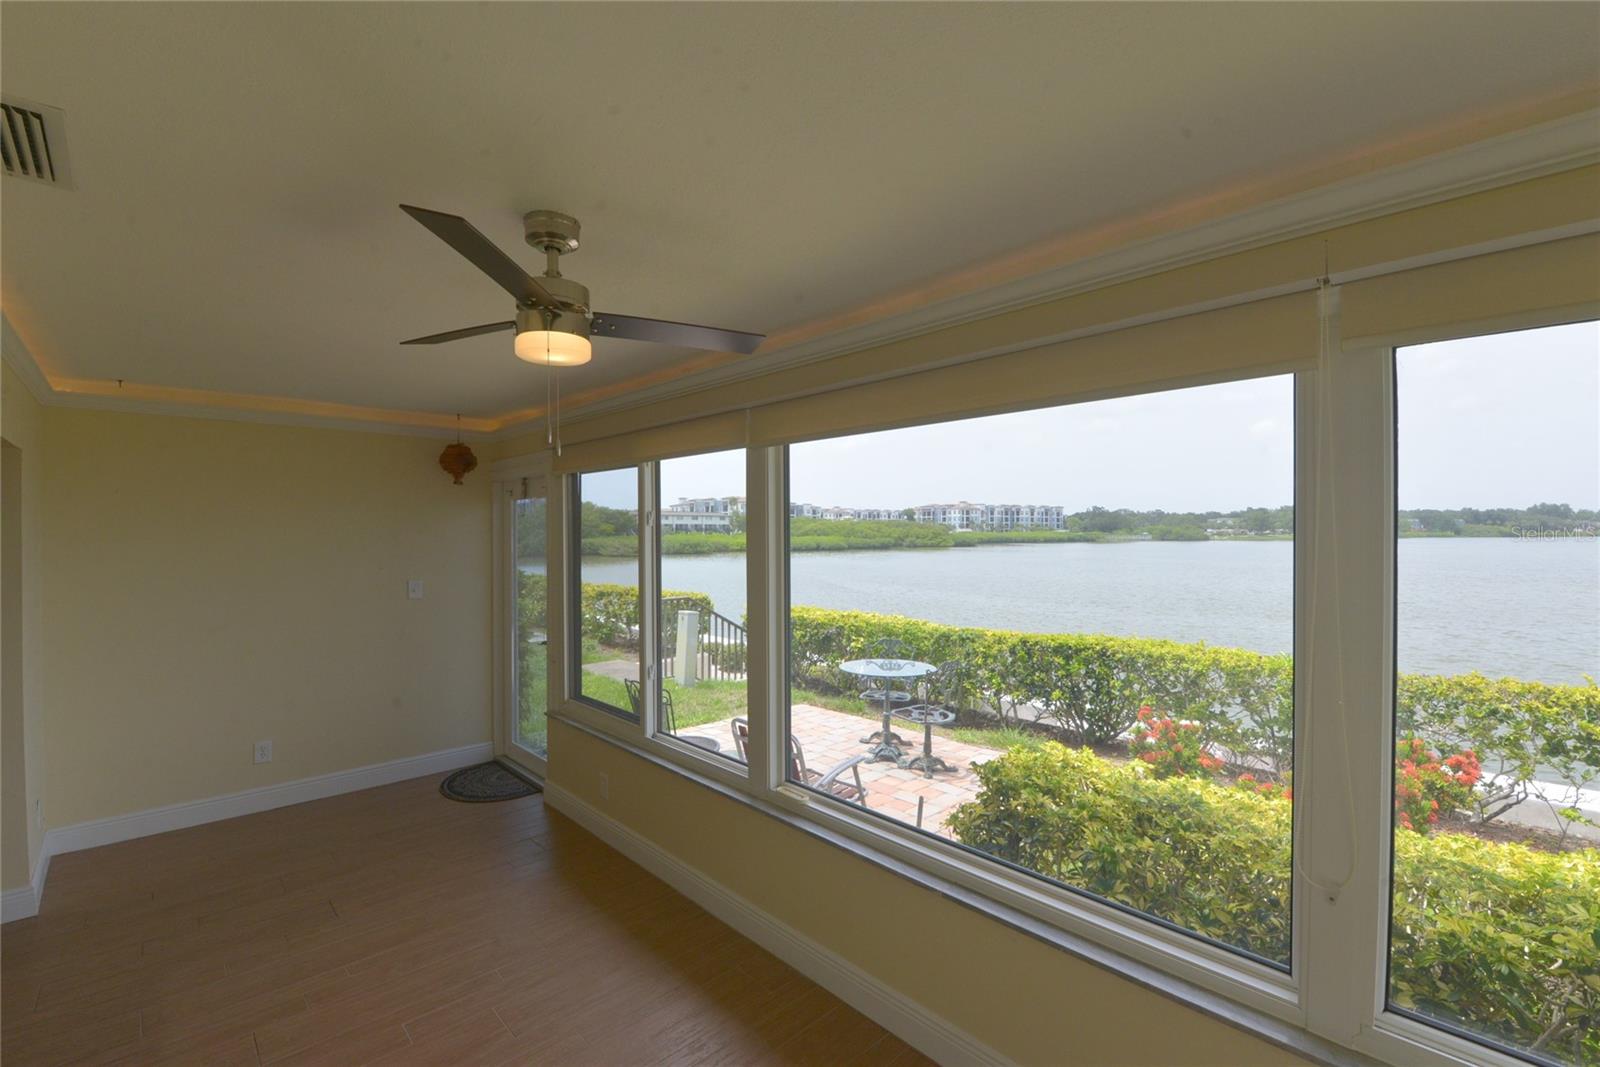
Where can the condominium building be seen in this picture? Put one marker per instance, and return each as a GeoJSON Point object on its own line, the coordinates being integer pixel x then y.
{"type": "Point", "coordinates": [702, 514]}
{"type": "Point", "coordinates": [965, 515]}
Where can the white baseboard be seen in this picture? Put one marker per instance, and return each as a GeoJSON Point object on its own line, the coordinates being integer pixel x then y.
{"type": "Point", "coordinates": [19, 903]}
{"type": "Point", "coordinates": [23, 902]}
{"type": "Point", "coordinates": [895, 1012]}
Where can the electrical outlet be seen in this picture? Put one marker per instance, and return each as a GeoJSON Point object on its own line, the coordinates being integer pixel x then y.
{"type": "Point", "coordinates": [263, 751]}
{"type": "Point", "coordinates": [605, 786]}
{"type": "Point", "coordinates": [414, 589]}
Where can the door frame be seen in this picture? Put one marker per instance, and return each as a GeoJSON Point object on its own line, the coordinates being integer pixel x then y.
{"type": "Point", "coordinates": [520, 478]}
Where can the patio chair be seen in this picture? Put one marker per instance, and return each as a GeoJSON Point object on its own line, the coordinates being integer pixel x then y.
{"type": "Point", "coordinates": [669, 717]}
{"type": "Point", "coordinates": [853, 791]}
{"type": "Point", "coordinates": [940, 695]}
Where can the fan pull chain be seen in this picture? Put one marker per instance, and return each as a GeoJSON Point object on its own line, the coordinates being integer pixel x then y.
{"type": "Point", "coordinates": [552, 406]}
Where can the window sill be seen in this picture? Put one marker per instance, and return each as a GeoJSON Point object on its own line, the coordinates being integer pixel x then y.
{"type": "Point", "coordinates": [1252, 1020]}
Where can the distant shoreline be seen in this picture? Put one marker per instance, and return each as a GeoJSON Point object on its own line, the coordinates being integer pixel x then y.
{"type": "Point", "coordinates": [625, 546]}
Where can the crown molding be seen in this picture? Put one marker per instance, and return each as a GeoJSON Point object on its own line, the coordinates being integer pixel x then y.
{"type": "Point", "coordinates": [135, 398]}
{"type": "Point", "coordinates": [1535, 151]}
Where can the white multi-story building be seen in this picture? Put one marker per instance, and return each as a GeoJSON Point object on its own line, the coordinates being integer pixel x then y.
{"type": "Point", "coordinates": [961, 515]}
{"type": "Point", "coordinates": [965, 515]}
{"type": "Point", "coordinates": [702, 514]}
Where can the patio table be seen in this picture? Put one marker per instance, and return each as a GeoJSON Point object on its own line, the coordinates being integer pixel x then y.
{"type": "Point", "coordinates": [888, 671]}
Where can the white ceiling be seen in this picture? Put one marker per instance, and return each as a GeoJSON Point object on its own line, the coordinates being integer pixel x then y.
{"type": "Point", "coordinates": [238, 166]}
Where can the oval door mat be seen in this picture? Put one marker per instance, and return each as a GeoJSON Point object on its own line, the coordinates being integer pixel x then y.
{"type": "Point", "coordinates": [484, 783]}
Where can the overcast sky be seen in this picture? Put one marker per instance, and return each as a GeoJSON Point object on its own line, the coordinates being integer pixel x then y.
{"type": "Point", "coordinates": [1507, 420]}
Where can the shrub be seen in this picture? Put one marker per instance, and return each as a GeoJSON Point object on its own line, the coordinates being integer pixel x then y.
{"type": "Point", "coordinates": [1206, 857]}
{"type": "Point", "coordinates": [1171, 748]}
{"type": "Point", "coordinates": [1426, 786]}
{"type": "Point", "coordinates": [1514, 728]}
{"type": "Point", "coordinates": [1499, 935]}
{"type": "Point", "coordinates": [1251, 784]}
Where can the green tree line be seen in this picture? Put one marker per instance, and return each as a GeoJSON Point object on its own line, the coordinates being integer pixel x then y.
{"type": "Point", "coordinates": [615, 532]}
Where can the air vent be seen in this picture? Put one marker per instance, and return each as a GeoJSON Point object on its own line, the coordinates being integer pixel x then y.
{"type": "Point", "coordinates": [33, 142]}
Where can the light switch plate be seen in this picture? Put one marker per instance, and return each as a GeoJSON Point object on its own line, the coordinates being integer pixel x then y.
{"type": "Point", "coordinates": [414, 589]}
{"type": "Point", "coordinates": [263, 752]}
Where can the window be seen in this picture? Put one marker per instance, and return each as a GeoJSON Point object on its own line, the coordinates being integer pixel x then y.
{"type": "Point", "coordinates": [1063, 639]}
{"type": "Point", "coordinates": [605, 557]}
{"type": "Point", "coordinates": [704, 645]}
{"type": "Point", "coordinates": [529, 634]}
{"type": "Point", "coordinates": [1495, 923]}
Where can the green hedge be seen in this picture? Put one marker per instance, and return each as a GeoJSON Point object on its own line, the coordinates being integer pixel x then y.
{"type": "Point", "coordinates": [1093, 687]}
{"type": "Point", "coordinates": [1499, 936]}
{"type": "Point", "coordinates": [609, 613]}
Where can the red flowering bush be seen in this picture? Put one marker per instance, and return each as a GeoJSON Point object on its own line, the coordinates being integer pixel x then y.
{"type": "Point", "coordinates": [1251, 784]}
{"type": "Point", "coordinates": [1426, 785]}
{"type": "Point", "coordinates": [1171, 748]}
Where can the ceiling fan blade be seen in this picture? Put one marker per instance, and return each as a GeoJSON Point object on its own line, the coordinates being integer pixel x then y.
{"type": "Point", "coordinates": [482, 253]}
{"type": "Point", "coordinates": [456, 335]}
{"type": "Point", "coordinates": [680, 334]}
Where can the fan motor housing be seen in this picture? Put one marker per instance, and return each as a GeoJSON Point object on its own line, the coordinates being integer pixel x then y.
{"type": "Point", "coordinates": [561, 321]}
{"type": "Point", "coordinates": [551, 231]}
{"type": "Point", "coordinates": [573, 296]}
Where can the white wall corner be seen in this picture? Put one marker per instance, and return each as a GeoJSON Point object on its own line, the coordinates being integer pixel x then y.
{"type": "Point", "coordinates": [19, 903]}
{"type": "Point", "coordinates": [924, 1030]}
{"type": "Point", "coordinates": [17, 356]}
{"type": "Point", "coordinates": [23, 901]}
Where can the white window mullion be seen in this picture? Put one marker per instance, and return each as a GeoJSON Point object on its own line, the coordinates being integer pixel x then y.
{"type": "Point", "coordinates": [503, 656]}
{"type": "Point", "coordinates": [649, 600]}
{"type": "Point", "coordinates": [765, 527]}
{"type": "Point", "coordinates": [1340, 855]}
{"type": "Point", "coordinates": [559, 591]}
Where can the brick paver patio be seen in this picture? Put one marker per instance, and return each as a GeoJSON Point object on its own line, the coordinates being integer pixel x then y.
{"type": "Point", "coordinates": [830, 736]}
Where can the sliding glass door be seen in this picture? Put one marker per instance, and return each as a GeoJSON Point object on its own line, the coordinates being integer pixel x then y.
{"type": "Point", "coordinates": [530, 635]}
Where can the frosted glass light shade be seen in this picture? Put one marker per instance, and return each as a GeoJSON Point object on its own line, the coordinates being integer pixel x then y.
{"type": "Point", "coordinates": [553, 348]}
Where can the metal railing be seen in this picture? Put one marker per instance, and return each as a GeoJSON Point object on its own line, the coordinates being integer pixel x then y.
{"type": "Point", "coordinates": [722, 647]}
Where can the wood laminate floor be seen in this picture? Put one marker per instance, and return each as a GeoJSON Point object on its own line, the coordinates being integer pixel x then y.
{"type": "Point", "coordinates": [394, 926]}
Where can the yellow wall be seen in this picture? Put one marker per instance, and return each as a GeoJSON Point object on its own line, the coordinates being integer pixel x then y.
{"type": "Point", "coordinates": [1027, 1000]}
{"type": "Point", "coordinates": [21, 746]}
{"type": "Point", "coordinates": [216, 583]}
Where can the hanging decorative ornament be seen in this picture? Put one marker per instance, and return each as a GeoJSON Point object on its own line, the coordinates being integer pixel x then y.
{"type": "Point", "coordinates": [457, 459]}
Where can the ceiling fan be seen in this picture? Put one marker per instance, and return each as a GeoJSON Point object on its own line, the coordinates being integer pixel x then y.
{"type": "Point", "coordinates": [554, 321]}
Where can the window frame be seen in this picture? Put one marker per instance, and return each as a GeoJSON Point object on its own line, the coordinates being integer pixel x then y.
{"type": "Point", "coordinates": [574, 593]}
{"type": "Point", "coordinates": [508, 480]}
{"type": "Point", "coordinates": [1397, 1034]}
{"type": "Point", "coordinates": [1334, 997]}
{"type": "Point", "coordinates": [724, 764]}
{"type": "Point", "coordinates": [1188, 955]}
